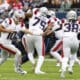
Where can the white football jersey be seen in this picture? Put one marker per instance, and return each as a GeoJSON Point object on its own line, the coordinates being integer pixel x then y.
{"type": "Point", "coordinates": [56, 27]}
{"type": "Point", "coordinates": [10, 24]}
{"type": "Point", "coordinates": [38, 23]}
{"type": "Point", "coordinates": [56, 23]}
{"type": "Point", "coordinates": [70, 29]}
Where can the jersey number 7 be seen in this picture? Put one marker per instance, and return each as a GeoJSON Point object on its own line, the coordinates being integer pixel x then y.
{"type": "Point", "coordinates": [42, 23]}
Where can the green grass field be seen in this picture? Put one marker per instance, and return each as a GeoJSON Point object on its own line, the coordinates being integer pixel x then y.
{"type": "Point", "coordinates": [49, 66]}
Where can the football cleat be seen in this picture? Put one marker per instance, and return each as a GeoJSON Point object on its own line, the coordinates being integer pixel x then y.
{"type": "Point", "coordinates": [70, 70]}
{"type": "Point", "coordinates": [39, 72]}
{"type": "Point", "coordinates": [19, 70]}
{"type": "Point", "coordinates": [62, 74]}
{"type": "Point", "coordinates": [58, 64]}
{"type": "Point", "coordinates": [60, 70]}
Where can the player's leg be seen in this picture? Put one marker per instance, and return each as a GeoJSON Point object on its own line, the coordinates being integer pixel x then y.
{"type": "Point", "coordinates": [13, 50]}
{"type": "Point", "coordinates": [4, 56]}
{"type": "Point", "coordinates": [24, 58]}
{"type": "Point", "coordinates": [67, 51]}
{"type": "Point", "coordinates": [73, 54]}
{"type": "Point", "coordinates": [24, 52]}
{"type": "Point", "coordinates": [29, 47]}
{"type": "Point", "coordinates": [77, 60]}
{"type": "Point", "coordinates": [71, 62]}
{"type": "Point", "coordinates": [39, 44]}
{"type": "Point", "coordinates": [54, 50]}
{"type": "Point", "coordinates": [65, 62]}
{"type": "Point", "coordinates": [18, 61]}
{"type": "Point", "coordinates": [20, 46]}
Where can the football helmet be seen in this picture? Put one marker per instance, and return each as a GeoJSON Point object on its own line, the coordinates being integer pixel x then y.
{"type": "Point", "coordinates": [19, 15]}
{"type": "Point", "coordinates": [52, 13]}
{"type": "Point", "coordinates": [44, 11]}
{"type": "Point", "coordinates": [71, 15]}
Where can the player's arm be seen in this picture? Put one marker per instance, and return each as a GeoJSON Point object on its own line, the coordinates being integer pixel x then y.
{"type": "Point", "coordinates": [47, 32]}
{"type": "Point", "coordinates": [26, 31]}
{"type": "Point", "coordinates": [48, 29]}
{"type": "Point", "coordinates": [53, 27]}
{"type": "Point", "coordinates": [3, 29]}
{"type": "Point", "coordinates": [29, 13]}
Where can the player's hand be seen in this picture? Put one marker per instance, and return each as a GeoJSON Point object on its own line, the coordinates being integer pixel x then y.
{"type": "Point", "coordinates": [47, 32]}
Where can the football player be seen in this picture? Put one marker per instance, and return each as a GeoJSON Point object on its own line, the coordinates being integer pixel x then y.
{"type": "Point", "coordinates": [37, 24]}
{"type": "Point", "coordinates": [58, 34]}
{"type": "Point", "coordinates": [8, 30]}
{"type": "Point", "coordinates": [70, 42]}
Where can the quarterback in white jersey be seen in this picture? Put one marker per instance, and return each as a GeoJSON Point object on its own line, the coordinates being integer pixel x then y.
{"type": "Point", "coordinates": [37, 24]}
{"type": "Point", "coordinates": [8, 29]}
{"type": "Point", "coordinates": [70, 42]}
{"type": "Point", "coordinates": [58, 34]}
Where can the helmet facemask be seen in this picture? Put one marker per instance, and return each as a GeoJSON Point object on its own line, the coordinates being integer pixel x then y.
{"type": "Point", "coordinates": [44, 11]}
{"type": "Point", "coordinates": [19, 16]}
{"type": "Point", "coordinates": [72, 15]}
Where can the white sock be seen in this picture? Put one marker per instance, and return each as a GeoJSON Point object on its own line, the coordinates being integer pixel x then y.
{"type": "Point", "coordinates": [71, 62]}
{"type": "Point", "coordinates": [64, 64]}
{"type": "Point", "coordinates": [57, 56]}
{"type": "Point", "coordinates": [31, 58]}
{"type": "Point", "coordinates": [78, 61]}
{"type": "Point", "coordinates": [17, 61]}
{"type": "Point", "coordinates": [3, 57]}
{"type": "Point", "coordinates": [39, 63]}
{"type": "Point", "coordinates": [2, 60]}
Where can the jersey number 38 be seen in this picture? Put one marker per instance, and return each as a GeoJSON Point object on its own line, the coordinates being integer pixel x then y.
{"type": "Point", "coordinates": [71, 27]}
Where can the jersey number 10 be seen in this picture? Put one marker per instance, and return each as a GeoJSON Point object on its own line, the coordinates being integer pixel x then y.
{"type": "Point", "coordinates": [11, 35]}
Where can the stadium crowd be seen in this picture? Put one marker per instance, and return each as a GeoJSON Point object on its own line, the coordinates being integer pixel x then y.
{"type": "Point", "coordinates": [20, 15]}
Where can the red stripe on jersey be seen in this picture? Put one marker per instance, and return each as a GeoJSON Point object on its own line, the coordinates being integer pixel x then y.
{"type": "Point", "coordinates": [43, 47]}
{"type": "Point", "coordinates": [57, 46]}
{"type": "Point", "coordinates": [49, 21]}
{"type": "Point", "coordinates": [62, 53]}
{"type": "Point", "coordinates": [55, 19]}
{"type": "Point", "coordinates": [24, 43]}
{"type": "Point", "coordinates": [7, 49]}
{"type": "Point", "coordinates": [36, 11]}
{"type": "Point", "coordinates": [79, 22]}
{"type": "Point", "coordinates": [10, 21]}
{"type": "Point", "coordinates": [62, 21]}
{"type": "Point", "coordinates": [22, 24]}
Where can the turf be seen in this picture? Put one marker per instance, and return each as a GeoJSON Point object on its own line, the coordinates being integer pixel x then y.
{"type": "Point", "coordinates": [49, 66]}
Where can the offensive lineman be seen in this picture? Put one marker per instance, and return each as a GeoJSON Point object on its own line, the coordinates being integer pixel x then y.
{"type": "Point", "coordinates": [38, 23]}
